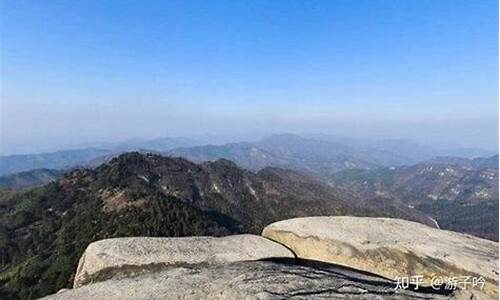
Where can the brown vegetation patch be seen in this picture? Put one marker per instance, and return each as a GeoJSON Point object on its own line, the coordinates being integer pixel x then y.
{"type": "Point", "coordinates": [117, 200]}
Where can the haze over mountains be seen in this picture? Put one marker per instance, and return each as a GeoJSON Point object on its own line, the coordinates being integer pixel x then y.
{"type": "Point", "coordinates": [30, 178]}
{"type": "Point", "coordinates": [65, 159]}
{"type": "Point", "coordinates": [320, 155]}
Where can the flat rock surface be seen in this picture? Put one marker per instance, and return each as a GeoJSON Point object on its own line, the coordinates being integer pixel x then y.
{"type": "Point", "coordinates": [390, 248]}
{"type": "Point", "coordinates": [123, 256]}
{"type": "Point", "coordinates": [281, 278]}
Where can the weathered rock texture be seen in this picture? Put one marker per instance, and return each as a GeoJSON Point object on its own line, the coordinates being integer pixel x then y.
{"type": "Point", "coordinates": [284, 278]}
{"type": "Point", "coordinates": [125, 256]}
{"type": "Point", "coordinates": [390, 247]}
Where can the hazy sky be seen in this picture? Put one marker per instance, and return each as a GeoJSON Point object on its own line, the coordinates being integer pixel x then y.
{"type": "Point", "coordinates": [80, 71]}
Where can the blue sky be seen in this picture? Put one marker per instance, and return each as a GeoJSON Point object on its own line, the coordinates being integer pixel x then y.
{"type": "Point", "coordinates": [82, 71]}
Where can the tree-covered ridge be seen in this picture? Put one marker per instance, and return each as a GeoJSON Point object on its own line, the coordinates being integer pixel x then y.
{"type": "Point", "coordinates": [46, 231]}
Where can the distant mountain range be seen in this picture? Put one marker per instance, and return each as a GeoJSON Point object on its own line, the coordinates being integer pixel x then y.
{"type": "Point", "coordinates": [408, 150]}
{"type": "Point", "coordinates": [307, 155]}
{"type": "Point", "coordinates": [30, 178]}
{"type": "Point", "coordinates": [321, 156]}
{"type": "Point", "coordinates": [54, 160]}
{"type": "Point", "coordinates": [490, 162]}
{"type": "Point", "coordinates": [43, 231]}
{"type": "Point", "coordinates": [158, 144]}
{"type": "Point", "coordinates": [461, 194]}
{"type": "Point", "coordinates": [67, 159]}
{"type": "Point", "coordinates": [312, 155]}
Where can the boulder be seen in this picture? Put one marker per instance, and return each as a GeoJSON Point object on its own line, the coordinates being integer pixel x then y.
{"type": "Point", "coordinates": [281, 278]}
{"type": "Point", "coordinates": [125, 256]}
{"type": "Point", "coordinates": [393, 248]}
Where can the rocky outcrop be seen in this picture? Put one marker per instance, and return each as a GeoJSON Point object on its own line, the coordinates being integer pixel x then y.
{"type": "Point", "coordinates": [390, 248]}
{"type": "Point", "coordinates": [121, 257]}
{"type": "Point", "coordinates": [335, 258]}
{"type": "Point", "coordinates": [284, 278]}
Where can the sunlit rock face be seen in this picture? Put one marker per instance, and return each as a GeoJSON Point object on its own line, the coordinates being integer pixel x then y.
{"type": "Point", "coordinates": [390, 247]}
{"type": "Point", "coordinates": [121, 257]}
